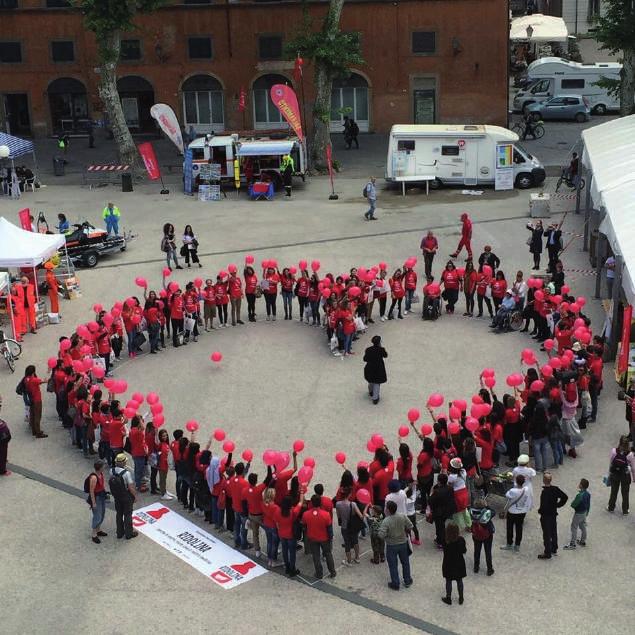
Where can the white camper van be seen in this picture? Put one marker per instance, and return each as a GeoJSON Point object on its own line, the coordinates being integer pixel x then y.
{"type": "Point", "coordinates": [554, 76]}
{"type": "Point", "coordinates": [456, 155]}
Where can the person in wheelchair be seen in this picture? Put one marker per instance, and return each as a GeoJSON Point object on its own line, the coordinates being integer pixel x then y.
{"type": "Point", "coordinates": [501, 319]}
{"type": "Point", "coordinates": [431, 300]}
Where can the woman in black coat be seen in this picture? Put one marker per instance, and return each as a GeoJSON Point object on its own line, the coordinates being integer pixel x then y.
{"type": "Point", "coordinates": [453, 567]}
{"type": "Point", "coordinates": [375, 369]}
{"type": "Point", "coordinates": [535, 242]}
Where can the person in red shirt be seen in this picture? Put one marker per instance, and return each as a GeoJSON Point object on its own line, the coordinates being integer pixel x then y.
{"type": "Point", "coordinates": [466, 236]}
{"type": "Point", "coordinates": [104, 431]}
{"type": "Point", "coordinates": [33, 395]}
{"type": "Point", "coordinates": [269, 512]}
{"type": "Point", "coordinates": [287, 280]}
{"type": "Point", "coordinates": [499, 286]}
{"type": "Point", "coordinates": [425, 470]}
{"type": "Point", "coordinates": [596, 368]}
{"type": "Point", "coordinates": [269, 285]}
{"type": "Point", "coordinates": [152, 456]}
{"type": "Point", "coordinates": [410, 284]}
{"type": "Point", "coordinates": [235, 286]}
{"type": "Point", "coordinates": [429, 247]}
{"type": "Point", "coordinates": [251, 289]}
{"type": "Point", "coordinates": [314, 299]}
{"type": "Point", "coordinates": [177, 316]}
{"type": "Point", "coordinates": [285, 518]}
{"type": "Point", "coordinates": [484, 440]}
{"type": "Point", "coordinates": [319, 532]}
{"type": "Point", "coordinates": [252, 495]}
{"type": "Point", "coordinates": [138, 450]}
{"type": "Point", "coordinates": [302, 292]}
{"type": "Point", "coordinates": [236, 486]}
{"type": "Point", "coordinates": [470, 278]}
{"type": "Point", "coordinates": [483, 288]}
{"type": "Point", "coordinates": [382, 476]}
{"type": "Point", "coordinates": [451, 282]}
{"type": "Point", "coordinates": [404, 465]}
{"type": "Point", "coordinates": [152, 313]}
{"type": "Point", "coordinates": [97, 499]}
{"type": "Point", "coordinates": [192, 312]}
{"type": "Point", "coordinates": [281, 480]}
{"type": "Point", "coordinates": [26, 299]}
{"type": "Point", "coordinates": [326, 502]}
{"type": "Point", "coordinates": [209, 304]}
{"type": "Point", "coordinates": [431, 303]}
{"type": "Point", "coordinates": [118, 431]}
{"type": "Point", "coordinates": [222, 300]}
{"type": "Point", "coordinates": [346, 318]}
{"type": "Point", "coordinates": [397, 293]}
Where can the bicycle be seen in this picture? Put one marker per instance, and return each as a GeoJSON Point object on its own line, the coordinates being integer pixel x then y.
{"type": "Point", "coordinates": [10, 349]}
{"type": "Point", "coordinates": [537, 131]}
{"type": "Point", "coordinates": [564, 178]}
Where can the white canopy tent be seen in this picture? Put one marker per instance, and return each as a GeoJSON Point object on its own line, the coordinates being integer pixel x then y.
{"type": "Point", "coordinates": [21, 248]}
{"type": "Point", "coordinates": [538, 28]}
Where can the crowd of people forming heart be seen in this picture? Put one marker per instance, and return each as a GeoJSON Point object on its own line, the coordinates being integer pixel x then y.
{"type": "Point", "coordinates": [441, 474]}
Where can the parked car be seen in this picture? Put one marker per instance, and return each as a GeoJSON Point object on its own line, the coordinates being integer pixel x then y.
{"type": "Point", "coordinates": [573, 107]}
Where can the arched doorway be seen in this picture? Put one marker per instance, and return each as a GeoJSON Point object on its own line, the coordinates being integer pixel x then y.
{"type": "Point", "coordinates": [203, 104]}
{"type": "Point", "coordinates": [266, 115]}
{"type": "Point", "coordinates": [349, 96]}
{"type": "Point", "coordinates": [69, 105]}
{"type": "Point", "coordinates": [137, 97]}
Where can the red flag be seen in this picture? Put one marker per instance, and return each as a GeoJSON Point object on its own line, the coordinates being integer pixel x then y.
{"type": "Point", "coordinates": [622, 360]}
{"type": "Point", "coordinates": [297, 69]}
{"type": "Point", "coordinates": [287, 103]}
{"type": "Point", "coordinates": [25, 219]}
{"type": "Point", "coordinates": [150, 160]}
{"type": "Point", "coordinates": [242, 100]}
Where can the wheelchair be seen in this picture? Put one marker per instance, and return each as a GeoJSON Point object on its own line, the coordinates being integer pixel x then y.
{"type": "Point", "coordinates": [431, 309]}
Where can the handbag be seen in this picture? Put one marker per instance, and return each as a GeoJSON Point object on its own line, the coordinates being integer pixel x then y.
{"type": "Point", "coordinates": [50, 384]}
{"type": "Point", "coordinates": [258, 293]}
{"type": "Point", "coordinates": [529, 241]}
{"type": "Point", "coordinates": [189, 324]}
{"type": "Point", "coordinates": [139, 339]}
{"type": "Point", "coordinates": [183, 251]}
{"type": "Point", "coordinates": [153, 459]}
{"type": "Point", "coordinates": [415, 299]}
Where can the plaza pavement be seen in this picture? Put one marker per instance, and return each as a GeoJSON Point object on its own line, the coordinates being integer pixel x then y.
{"type": "Point", "coordinates": [278, 383]}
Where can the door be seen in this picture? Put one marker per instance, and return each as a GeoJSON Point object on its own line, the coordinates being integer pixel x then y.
{"type": "Point", "coordinates": [130, 107]}
{"type": "Point", "coordinates": [470, 158]}
{"type": "Point", "coordinates": [424, 106]}
{"type": "Point", "coordinates": [16, 108]}
{"type": "Point", "coordinates": [554, 108]}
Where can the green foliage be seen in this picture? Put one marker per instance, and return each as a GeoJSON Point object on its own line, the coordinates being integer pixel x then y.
{"type": "Point", "coordinates": [616, 28]}
{"type": "Point", "coordinates": [612, 86]}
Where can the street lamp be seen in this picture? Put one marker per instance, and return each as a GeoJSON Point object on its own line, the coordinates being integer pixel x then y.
{"type": "Point", "coordinates": [4, 152]}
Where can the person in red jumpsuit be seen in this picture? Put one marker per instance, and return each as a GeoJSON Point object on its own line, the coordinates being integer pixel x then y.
{"type": "Point", "coordinates": [26, 299]}
{"type": "Point", "coordinates": [466, 236]}
{"type": "Point", "coordinates": [53, 286]}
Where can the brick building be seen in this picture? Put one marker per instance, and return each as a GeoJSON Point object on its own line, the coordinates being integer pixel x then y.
{"type": "Point", "coordinates": [426, 61]}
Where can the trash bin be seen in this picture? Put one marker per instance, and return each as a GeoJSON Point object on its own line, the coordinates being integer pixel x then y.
{"type": "Point", "coordinates": [126, 182]}
{"type": "Point", "coordinates": [58, 166]}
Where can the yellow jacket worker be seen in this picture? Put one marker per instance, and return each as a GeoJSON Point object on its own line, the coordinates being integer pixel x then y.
{"type": "Point", "coordinates": [111, 216]}
{"type": "Point", "coordinates": [287, 167]}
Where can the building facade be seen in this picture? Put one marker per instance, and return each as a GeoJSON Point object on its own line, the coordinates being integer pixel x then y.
{"type": "Point", "coordinates": [427, 61]}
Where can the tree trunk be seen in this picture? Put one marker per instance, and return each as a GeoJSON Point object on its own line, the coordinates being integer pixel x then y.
{"type": "Point", "coordinates": [323, 87]}
{"type": "Point", "coordinates": [109, 56]}
{"type": "Point", "coordinates": [627, 85]}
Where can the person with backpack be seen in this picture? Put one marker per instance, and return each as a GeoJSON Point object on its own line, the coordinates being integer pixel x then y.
{"type": "Point", "coordinates": [122, 489]}
{"type": "Point", "coordinates": [95, 487]}
{"type": "Point", "coordinates": [482, 533]}
{"type": "Point", "coordinates": [621, 468]}
{"type": "Point", "coordinates": [370, 193]}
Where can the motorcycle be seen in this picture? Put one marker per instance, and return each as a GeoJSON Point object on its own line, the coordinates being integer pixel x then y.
{"type": "Point", "coordinates": [568, 181]}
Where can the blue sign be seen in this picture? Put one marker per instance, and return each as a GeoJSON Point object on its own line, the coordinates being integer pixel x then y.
{"type": "Point", "coordinates": [187, 171]}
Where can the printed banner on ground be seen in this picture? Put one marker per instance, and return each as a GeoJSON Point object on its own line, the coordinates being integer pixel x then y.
{"type": "Point", "coordinates": [286, 102]}
{"type": "Point", "coordinates": [212, 557]}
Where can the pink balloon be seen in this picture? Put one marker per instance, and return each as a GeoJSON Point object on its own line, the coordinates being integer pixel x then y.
{"type": "Point", "coordinates": [232, 268]}
{"type": "Point", "coordinates": [370, 446]}
{"type": "Point", "coordinates": [426, 429]}
{"type": "Point", "coordinates": [129, 412]}
{"type": "Point", "coordinates": [435, 400]}
{"type": "Point", "coordinates": [454, 428]}
{"type": "Point", "coordinates": [555, 363]}
{"type": "Point", "coordinates": [269, 457]}
{"type": "Point", "coordinates": [383, 266]}
{"type": "Point", "coordinates": [247, 455]}
{"type": "Point", "coordinates": [93, 327]}
{"type": "Point", "coordinates": [514, 380]}
{"type": "Point", "coordinates": [198, 282]}
{"type": "Point", "coordinates": [487, 270]}
{"type": "Point", "coordinates": [528, 356]}
{"type": "Point", "coordinates": [141, 282]}
{"type": "Point", "coordinates": [229, 446]}
{"type": "Point", "coordinates": [413, 415]}
{"type": "Point", "coordinates": [98, 372]}
{"type": "Point", "coordinates": [216, 357]}
{"type": "Point", "coordinates": [249, 259]}
{"type": "Point", "coordinates": [537, 385]}
{"type": "Point", "coordinates": [488, 372]}
{"type": "Point", "coordinates": [565, 289]}
{"type": "Point", "coordinates": [52, 362]}
{"type": "Point", "coordinates": [298, 446]}
{"type": "Point", "coordinates": [173, 287]}
{"type": "Point", "coordinates": [159, 420]}
{"type": "Point", "coordinates": [152, 398]}
{"type": "Point", "coordinates": [109, 383]}
{"type": "Point", "coordinates": [293, 270]}
{"type": "Point", "coordinates": [486, 408]}
{"type": "Point", "coordinates": [340, 457]}
{"type": "Point", "coordinates": [65, 344]}
{"type": "Point", "coordinates": [156, 409]}
{"type": "Point", "coordinates": [586, 338]}
{"type": "Point", "coordinates": [574, 307]}
{"type": "Point", "coordinates": [548, 344]}
{"type": "Point", "coordinates": [302, 265]}
{"type": "Point", "coordinates": [363, 496]}
{"type": "Point", "coordinates": [471, 423]}
{"type": "Point", "coordinates": [97, 308]}
{"type": "Point", "coordinates": [546, 370]}
{"type": "Point", "coordinates": [305, 474]}
{"type": "Point", "coordinates": [476, 411]}
{"type": "Point", "coordinates": [377, 440]}
{"type": "Point", "coordinates": [137, 396]}
{"type": "Point", "coordinates": [354, 292]}
{"type": "Point", "coordinates": [454, 412]}
{"type": "Point", "coordinates": [315, 265]}
{"type": "Point", "coordinates": [166, 272]}
{"type": "Point", "coordinates": [403, 431]}
{"type": "Point", "coordinates": [282, 460]}
{"type": "Point", "coordinates": [461, 404]}
{"type": "Point", "coordinates": [490, 382]}
{"type": "Point", "coordinates": [192, 426]}
{"type": "Point", "coordinates": [107, 319]}
{"type": "Point", "coordinates": [477, 399]}
{"type": "Point", "coordinates": [309, 462]}
{"type": "Point", "coordinates": [121, 386]}
{"type": "Point", "coordinates": [219, 434]}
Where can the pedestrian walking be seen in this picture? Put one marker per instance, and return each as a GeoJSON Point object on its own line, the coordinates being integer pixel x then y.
{"type": "Point", "coordinates": [535, 242]}
{"type": "Point", "coordinates": [111, 216]}
{"type": "Point", "coordinates": [351, 130]}
{"type": "Point", "coordinates": [96, 499]}
{"type": "Point", "coordinates": [168, 246]}
{"type": "Point", "coordinates": [581, 507]}
{"type": "Point", "coordinates": [482, 533]}
{"type": "Point", "coordinates": [375, 368]}
{"type": "Point", "coordinates": [5, 438]}
{"type": "Point", "coordinates": [621, 471]}
{"type": "Point", "coordinates": [370, 192]}
{"type": "Point", "coordinates": [392, 531]}
{"type": "Point", "coordinates": [466, 236]}
{"type": "Point", "coordinates": [551, 499]}
{"type": "Point", "coordinates": [429, 247]}
{"type": "Point", "coordinates": [453, 567]}
{"type": "Point", "coordinates": [318, 525]}
{"type": "Point", "coordinates": [189, 250]}
{"type": "Point", "coordinates": [121, 485]}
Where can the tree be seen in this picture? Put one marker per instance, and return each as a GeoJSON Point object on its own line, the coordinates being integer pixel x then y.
{"type": "Point", "coordinates": [107, 19]}
{"type": "Point", "coordinates": [616, 33]}
{"type": "Point", "coordinates": [332, 53]}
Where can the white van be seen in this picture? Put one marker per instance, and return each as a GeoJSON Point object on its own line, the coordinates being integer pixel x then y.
{"type": "Point", "coordinates": [554, 76]}
{"type": "Point", "coordinates": [456, 155]}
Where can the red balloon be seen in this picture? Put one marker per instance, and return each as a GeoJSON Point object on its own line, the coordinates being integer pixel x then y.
{"type": "Point", "coordinates": [305, 474]}
{"type": "Point", "coordinates": [363, 496]}
{"type": "Point", "coordinates": [354, 292]}
{"type": "Point", "coordinates": [471, 423]}
{"type": "Point", "coordinates": [137, 396]}
{"type": "Point", "coordinates": [282, 460]}
{"type": "Point", "coordinates": [98, 372]}
{"type": "Point", "coordinates": [232, 268]}
{"type": "Point", "coordinates": [487, 270]}
{"type": "Point", "coordinates": [298, 446]}
{"type": "Point", "coordinates": [490, 382]}
{"type": "Point", "coordinates": [539, 295]}
{"type": "Point", "coordinates": [426, 429]}
{"type": "Point", "coordinates": [229, 446]}
{"type": "Point", "coordinates": [93, 327]}
{"type": "Point", "coordinates": [166, 272]}
{"type": "Point", "coordinates": [192, 426]}
{"type": "Point", "coordinates": [477, 399]}
{"type": "Point", "coordinates": [219, 434]}
{"type": "Point", "coordinates": [52, 362]}
{"type": "Point", "coordinates": [173, 287]}
{"type": "Point", "coordinates": [152, 398]}
{"type": "Point", "coordinates": [315, 265]}
{"type": "Point", "coordinates": [302, 265]}
{"type": "Point", "coordinates": [547, 370]}
{"type": "Point", "coordinates": [107, 319]}
{"type": "Point", "coordinates": [159, 420]}
{"type": "Point", "coordinates": [247, 455]}
{"type": "Point", "coordinates": [370, 446]}
{"type": "Point", "coordinates": [120, 386]}
{"type": "Point", "coordinates": [413, 415]}
{"type": "Point", "coordinates": [156, 408]}
{"type": "Point", "coordinates": [293, 270]}
{"type": "Point", "coordinates": [65, 344]}
{"type": "Point", "coordinates": [383, 266]}
{"type": "Point", "coordinates": [109, 383]}
{"type": "Point", "coordinates": [377, 440]}
{"type": "Point", "coordinates": [140, 282]}
{"type": "Point", "coordinates": [488, 372]}
{"type": "Point", "coordinates": [454, 412]}
{"type": "Point", "coordinates": [461, 404]}
{"type": "Point", "coordinates": [340, 457]}
{"type": "Point", "coordinates": [565, 288]}
{"type": "Point", "coordinates": [574, 307]}
{"type": "Point", "coordinates": [548, 344]}
{"type": "Point", "coordinates": [198, 282]}
{"type": "Point", "coordinates": [309, 462]}
{"type": "Point", "coordinates": [537, 385]}
{"type": "Point", "coordinates": [216, 357]}
{"type": "Point", "coordinates": [555, 363]}
{"type": "Point", "coordinates": [129, 412]}
{"type": "Point", "coordinates": [404, 431]}
{"type": "Point", "coordinates": [249, 259]}
{"type": "Point", "coordinates": [269, 457]}
{"type": "Point", "coordinates": [435, 400]}
{"type": "Point", "coordinates": [454, 428]}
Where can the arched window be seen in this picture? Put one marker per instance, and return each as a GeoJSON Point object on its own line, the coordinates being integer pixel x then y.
{"type": "Point", "coordinates": [349, 97]}
{"type": "Point", "coordinates": [137, 97]}
{"type": "Point", "coordinates": [266, 115]}
{"type": "Point", "coordinates": [68, 104]}
{"type": "Point", "coordinates": [203, 104]}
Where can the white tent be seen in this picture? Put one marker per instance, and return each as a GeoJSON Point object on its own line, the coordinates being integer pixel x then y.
{"type": "Point", "coordinates": [538, 28]}
{"type": "Point", "coordinates": [21, 248]}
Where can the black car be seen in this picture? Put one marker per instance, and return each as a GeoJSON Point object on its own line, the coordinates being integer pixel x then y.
{"type": "Point", "coordinates": [86, 244]}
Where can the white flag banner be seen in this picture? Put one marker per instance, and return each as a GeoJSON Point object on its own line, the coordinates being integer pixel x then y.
{"type": "Point", "coordinates": [212, 557]}
{"type": "Point", "coordinates": [169, 123]}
